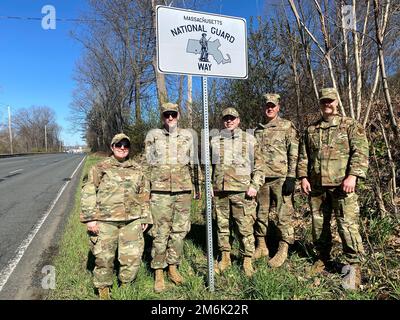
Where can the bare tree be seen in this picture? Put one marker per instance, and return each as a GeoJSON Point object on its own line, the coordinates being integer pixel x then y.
{"type": "Point", "coordinates": [33, 126]}
{"type": "Point", "coordinates": [379, 42]}
{"type": "Point", "coordinates": [162, 93]}
{"type": "Point", "coordinates": [189, 105]}
{"type": "Point", "coordinates": [116, 72]}
{"type": "Point", "coordinates": [357, 58]}
{"type": "Point", "coordinates": [326, 50]}
{"type": "Point", "coordinates": [383, 25]}
{"type": "Point", "coordinates": [346, 62]}
{"type": "Point", "coordinates": [306, 47]}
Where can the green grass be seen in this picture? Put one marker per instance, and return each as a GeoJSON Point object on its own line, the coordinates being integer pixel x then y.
{"type": "Point", "coordinates": [74, 279]}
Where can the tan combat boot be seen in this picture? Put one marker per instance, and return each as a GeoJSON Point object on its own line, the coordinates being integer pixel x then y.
{"type": "Point", "coordinates": [280, 256]}
{"type": "Point", "coordinates": [261, 250]}
{"type": "Point", "coordinates": [174, 275]}
{"type": "Point", "coordinates": [159, 285]}
{"type": "Point", "coordinates": [104, 293]}
{"type": "Point", "coordinates": [248, 267]}
{"type": "Point", "coordinates": [225, 262]}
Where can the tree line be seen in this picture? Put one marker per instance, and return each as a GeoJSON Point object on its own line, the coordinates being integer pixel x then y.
{"type": "Point", "coordinates": [33, 129]}
{"type": "Point", "coordinates": [294, 48]}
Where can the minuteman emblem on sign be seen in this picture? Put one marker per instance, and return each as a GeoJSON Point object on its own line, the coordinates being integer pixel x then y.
{"type": "Point", "coordinates": [205, 47]}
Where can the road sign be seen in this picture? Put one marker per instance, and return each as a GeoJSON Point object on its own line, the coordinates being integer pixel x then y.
{"type": "Point", "coordinates": [198, 43]}
{"type": "Point", "coordinates": [204, 44]}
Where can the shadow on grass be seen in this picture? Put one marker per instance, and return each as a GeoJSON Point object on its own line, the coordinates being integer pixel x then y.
{"type": "Point", "coordinates": [148, 241]}
{"type": "Point", "coordinates": [198, 235]}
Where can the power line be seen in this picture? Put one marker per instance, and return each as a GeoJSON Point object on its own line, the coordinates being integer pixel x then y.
{"type": "Point", "coordinates": [20, 18]}
{"type": "Point", "coordinates": [57, 19]}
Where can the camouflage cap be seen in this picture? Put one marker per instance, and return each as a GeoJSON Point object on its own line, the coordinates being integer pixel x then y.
{"type": "Point", "coordinates": [118, 137]}
{"type": "Point", "coordinates": [169, 106]}
{"type": "Point", "coordinates": [230, 112]}
{"type": "Point", "coordinates": [272, 97]}
{"type": "Point", "coordinates": [327, 93]}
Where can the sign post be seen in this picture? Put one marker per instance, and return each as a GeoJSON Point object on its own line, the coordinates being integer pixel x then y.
{"type": "Point", "coordinates": [206, 152]}
{"type": "Point", "coordinates": [203, 44]}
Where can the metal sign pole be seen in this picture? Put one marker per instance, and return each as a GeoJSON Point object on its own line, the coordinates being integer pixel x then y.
{"type": "Point", "coordinates": [206, 153]}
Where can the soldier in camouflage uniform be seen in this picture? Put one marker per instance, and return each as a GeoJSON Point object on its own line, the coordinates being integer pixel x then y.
{"type": "Point", "coordinates": [233, 156]}
{"type": "Point", "coordinates": [115, 208]}
{"type": "Point", "coordinates": [278, 141]}
{"type": "Point", "coordinates": [333, 154]}
{"type": "Point", "coordinates": [173, 170]}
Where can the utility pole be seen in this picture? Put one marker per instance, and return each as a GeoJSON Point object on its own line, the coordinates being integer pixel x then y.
{"type": "Point", "coordinates": [9, 130]}
{"type": "Point", "coordinates": [45, 136]}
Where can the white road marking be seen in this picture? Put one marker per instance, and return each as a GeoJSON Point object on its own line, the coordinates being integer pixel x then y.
{"type": "Point", "coordinates": [16, 171]}
{"type": "Point", "coordinates": [12, 264]}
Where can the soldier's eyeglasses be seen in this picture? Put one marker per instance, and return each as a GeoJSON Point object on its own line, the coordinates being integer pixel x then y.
{"type": "Point", "coordinates": [119, 145]}
{"type": "Point", "coordinates": [170, 114]}
{"type": "Point", "coordinates": [228, 118]}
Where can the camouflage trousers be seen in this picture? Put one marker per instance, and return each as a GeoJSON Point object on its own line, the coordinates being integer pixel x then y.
{"type": "Point", "coordinates": [127, 237]}
{"type": "Point", "coordinates": [345, 206]}
{"type": "Point", "coordinates": [171, 223]}
{"type": "Point", "coordinates": [272, 191]}
{"type": "Point", "coordinates": [243, 212]}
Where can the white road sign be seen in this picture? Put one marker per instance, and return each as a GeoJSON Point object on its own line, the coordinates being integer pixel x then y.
{"type": "Point", "coordinates": [198, 43]}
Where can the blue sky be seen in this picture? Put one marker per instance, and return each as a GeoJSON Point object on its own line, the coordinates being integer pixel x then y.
{"type": "Point", "coordinates": [37, 65]}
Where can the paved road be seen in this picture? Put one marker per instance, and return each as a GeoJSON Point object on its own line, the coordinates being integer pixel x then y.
{"type": "Point", "coordinates": [29, 186]}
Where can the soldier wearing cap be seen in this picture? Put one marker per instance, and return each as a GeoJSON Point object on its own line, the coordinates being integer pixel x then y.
{"type": "Point", "coordinates": [333, 155]}
{"type": "Point", "coordinates": [172, 161]}
{"type": "Point", "coordinates": [234, 153]}
{"type": "Point", "coordinates": [278, 141]}
{"type": "Point", "coordinates": [115, 208]}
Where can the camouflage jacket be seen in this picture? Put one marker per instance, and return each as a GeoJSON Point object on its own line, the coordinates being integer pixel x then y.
{"type": "Point", "coordinates": [279, 144]}
{"type": "Point", "coordinates": [172, 160]}
{"type": "Point", "coordinates": [115, 191]}
{"type": "Point", "coordinates": [332, 150]}
{"type": "Point", "coordinates": [235, 159]}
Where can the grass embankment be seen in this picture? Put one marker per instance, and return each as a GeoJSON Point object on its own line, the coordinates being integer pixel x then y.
{"type": "Point", "coordinates": [381, 279]}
